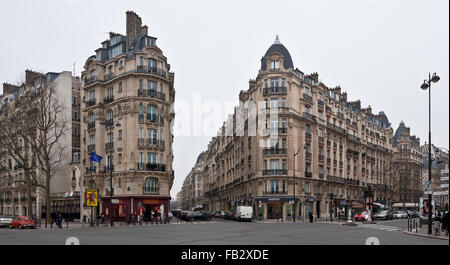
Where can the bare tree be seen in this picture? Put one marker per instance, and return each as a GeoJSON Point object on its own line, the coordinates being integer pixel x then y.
{"type": "Point", "coordinates": [14, 129]}
{"type": "Point", "coordinates": [48, 143]}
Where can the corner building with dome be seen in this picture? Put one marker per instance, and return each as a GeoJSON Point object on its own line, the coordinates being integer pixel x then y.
{"type": "Point", "coordinates": [335, 150]}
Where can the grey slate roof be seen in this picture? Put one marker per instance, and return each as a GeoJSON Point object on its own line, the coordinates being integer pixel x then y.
{"type": "Point", "coordinates": [278, 48]}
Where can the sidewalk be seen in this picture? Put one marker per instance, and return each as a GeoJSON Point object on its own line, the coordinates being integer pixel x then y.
{"type": "Point", "coordinates": [423, 232]}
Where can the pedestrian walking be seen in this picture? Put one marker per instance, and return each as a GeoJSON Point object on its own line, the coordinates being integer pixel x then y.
{"type": "Point", "coordinates": [311, 217]}
{"type": "Point", "coordinates": [445, 223]}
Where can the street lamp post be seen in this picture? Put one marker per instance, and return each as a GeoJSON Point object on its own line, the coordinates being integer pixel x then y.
{"type": "Point", "coordinates": [111, 189]}
{"type": "Point", "coordinates": [427, 85]}
{"type": "Point", "coordinates": [293, 174]}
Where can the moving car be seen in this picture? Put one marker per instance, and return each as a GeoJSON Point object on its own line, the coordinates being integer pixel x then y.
{"type": "Point", "coordinates": [21, 222]}
{"type": "Point", "coordinates": [363, 216]}
{"type": "Point", "coordinates": [5, 221]}
{"type": "Point", "coordinates": [384, 215]}
{"type": "Point", "coordinates": [243, 213]}
{"type": "Point", "coordinates": [400, 215]}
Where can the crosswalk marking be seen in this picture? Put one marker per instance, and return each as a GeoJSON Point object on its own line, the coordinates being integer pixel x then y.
{"type": "Point", "coordinates": [386, 228]}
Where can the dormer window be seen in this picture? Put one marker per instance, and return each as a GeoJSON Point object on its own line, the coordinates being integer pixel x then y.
{"type": "Point", "coordinates": [275, 65]}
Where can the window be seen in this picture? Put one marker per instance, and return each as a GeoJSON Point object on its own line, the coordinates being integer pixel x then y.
{"type": "Point", "coordinates": [141, 84]}
{"type": "Point", "coordinates": [151, 185]}
{"type": "Point", "coordinates": [151, 85]}
{"type": "Point", "coordinates": [92, 95]}
{"type": "Point", "coordinates": [275, 186]}
{"type": "Point", "coordinates": [283, 102]}
{"type": "Point", "coordinates": [151, 63]}
{"type": "Point", "coordinates": [275, 65]}
{"type": "Point", "coordinates": [120, 134]}
{"type": "Point", "coordinates": [91, 139]}
{"type": "Point", "coordinates": [152, 158]}
{"type": "Point", "coordinates": [120, 87]}
{"type": "Point", "coordinates": [74, 100]}
{"type": "Point", "coordinates": [274, 103]}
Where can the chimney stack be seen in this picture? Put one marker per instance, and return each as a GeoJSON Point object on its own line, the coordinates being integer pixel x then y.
{"type": "Point", "coordinates": [144, 30]}
{"type": "Point", "coordinates": [134, 27]}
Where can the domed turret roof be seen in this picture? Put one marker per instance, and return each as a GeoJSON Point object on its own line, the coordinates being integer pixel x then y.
{"type": "Point", "coordinates": [277, 47]}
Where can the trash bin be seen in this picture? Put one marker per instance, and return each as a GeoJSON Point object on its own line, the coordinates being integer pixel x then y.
{"type": "Point", "coordinates": [437, 228]}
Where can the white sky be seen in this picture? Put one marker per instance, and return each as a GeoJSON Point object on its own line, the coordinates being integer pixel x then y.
{"type": "Point", "coordinates": [378, 51]}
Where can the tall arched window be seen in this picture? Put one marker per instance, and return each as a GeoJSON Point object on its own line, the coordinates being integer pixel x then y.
{"type": "Point", "coordinates": [151, 185]}
{"type": "Point", "coordinates": [110, 115]}
{"type": "Point", "coordinates": [152, 113]}
{"type": "Point", "coordinates": [141, 113]}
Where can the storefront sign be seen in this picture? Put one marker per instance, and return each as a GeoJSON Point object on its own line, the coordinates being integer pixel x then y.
{"type": "Point", "coordinates": [92, 197]}
{"type": "Point", "coordinates": [115, 201]}
{"type": "Point", "coordinates": [440, 193]}
{"type": "Point", "coordinates": [444, 185]}
{"type": "Point", "coordinates": [444, 178]}
{"type": "Point", "coordinates": [147, 201]}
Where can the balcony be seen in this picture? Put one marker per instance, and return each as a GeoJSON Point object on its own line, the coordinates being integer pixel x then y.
{"type": "Point", "coordinates": [91, 148]}
{"type": "Point", "coordinates": [108, 169]}
{"type": "Point", "coordinates": [307, 98]}
{"type": "Point", "coordinates": [151, 70]}
{"type": "Point", "coordinates": [91, 125]}
{"type": "Point", "coordinates": [91, 170]}
{"type": "Point", "coordinates": [321, 139]}
{"type": "Point", "coordinates": [109, 123]}
{"type": "Point", "coordinates": [275, 151]}
{"type": "Point", "coordinates": [328, 109]}
{"type": "Point", "coordinates": [274, 90]}
{"type": "Point", "coordinates": [91, 102]}
{"type": "Point", "coordinates": [320, 175]}
{"type": "Point", "coordinates": [274, 192]}
{"type": "Point", "coordinates": [151, 93]}
{"type": "Point", "coordinates": [340, 115]}
{"type": "Point", "coordinates": [274, 172]}
{"type": "Point", "coordinates": [341, 164]}
{"type": "Point", "coordinates": [321, 158]}
{"type": "Point", "coordinates": [280, 130]}
{"type": "Point", "coordinates": [308, 136]}
{"type": "Point", "coordinates": [153, 142]}
{"type": "Point", "coordinates": [109, 146]}
{"type": "Point", "coordinates": [336, 128]}
{"type": "Point", "coordinates": [76, 119]}
{"type": "Point", "coordinates": [308, 155]}
{"type": "Point", "coordinates": [150, 190]}
{"type": "Point", "coordinates": [141, 142]}
{"type": "Point", "coordinates": [328, 160]}
{"type": "Point", "coordinates": [309, 116]}
{"type": "Point", "coordinates": [141, 118]}
{"type": "Point", "coordinates": [151, 167]}
{"type": "Point", "coordinates": [153, 118]}
{"type": "Point", "coordinates": [320, 103]}
{"type": "Point", "coordinates": [108, 99]}
{"type": "Point", "coordinates": [308, 174]}
{"type": "Point", "coordinates": [90, 81]}
{"type": "Point", "coordinates": [328, 143]}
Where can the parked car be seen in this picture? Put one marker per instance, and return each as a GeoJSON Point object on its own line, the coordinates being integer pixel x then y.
{"type": "Point", "coordinates": [413, 213]}
{"type": "Point", "coordinates": [5, 221]}
{"type": "Point", "coordinates": [21, 222]}
{"type": "Point", "coordinates": [363, 216]}
{"type": "Point", "coordinates": [400, 215]}
{"type": "Point", "coordinates": [243, 213]}
{"type": "Point", "coordinates": [229, 215]}
{"type": "Point", "coordinates": [384, 215]}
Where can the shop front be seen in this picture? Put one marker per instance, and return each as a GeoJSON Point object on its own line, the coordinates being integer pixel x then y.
{"type": "Point", "coordinates": [308, 206]}
{"type": "Point", "coordinates": [121, 208]}
{"type": "Point", "coordinates": [151, 209]}
{"type": "Point", "coordinates": [273, 207]}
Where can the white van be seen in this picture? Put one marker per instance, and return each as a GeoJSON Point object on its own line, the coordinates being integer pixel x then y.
{"type": "Point", "coordinates": [243, 213]}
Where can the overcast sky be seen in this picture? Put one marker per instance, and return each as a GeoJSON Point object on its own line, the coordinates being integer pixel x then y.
{"type": "Point", "coordinates": [378, 51]}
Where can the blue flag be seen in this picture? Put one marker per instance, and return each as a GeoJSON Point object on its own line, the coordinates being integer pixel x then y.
{"type": "Point", "coordinates": [96, 158]}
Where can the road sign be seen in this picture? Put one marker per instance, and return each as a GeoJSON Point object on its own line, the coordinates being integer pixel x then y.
{"type": "Point", "coordinates": [444, 171]}
{"type": "Point", "coordinates": [444, 178]}
{"type": "Point", "coordinates": [115, 201]}
{"type": "Point", "coordinates": [444, 185]}
{"type": "Point", "coordinates": [428, 192]}
{"type": "Point", "coordinates": [291, 202]}
{"type": "Point", "coordinates": [92, 197]}
{"type": "Point", "coordinates": [440, 193]}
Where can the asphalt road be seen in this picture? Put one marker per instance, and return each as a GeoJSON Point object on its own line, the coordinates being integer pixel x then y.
{"type": "Point", "coordinates": [221, 232]}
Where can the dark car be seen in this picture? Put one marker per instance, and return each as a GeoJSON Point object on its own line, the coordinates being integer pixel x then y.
{"type": "Point", "coordinates": [384, 215]}
{"type": "Point", "coordinates": [229, 215]}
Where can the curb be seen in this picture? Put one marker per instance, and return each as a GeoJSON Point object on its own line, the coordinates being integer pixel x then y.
{"type": "Point", "coordinates": [422, 235]}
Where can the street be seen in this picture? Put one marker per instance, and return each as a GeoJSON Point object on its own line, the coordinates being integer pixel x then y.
{"type": "Point", "coordinates": [222, 232]}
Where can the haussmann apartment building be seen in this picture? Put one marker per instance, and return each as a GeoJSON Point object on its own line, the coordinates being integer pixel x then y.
{"type": "Point", "coordinates": [128, 97]}
{"type": "Point", "coordinates": [335, 147]}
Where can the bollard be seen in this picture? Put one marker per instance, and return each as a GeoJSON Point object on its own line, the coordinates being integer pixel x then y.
{"type": "Point", "coordinates": [416, 226]}
{"type": "Point", "coordinates": [67, 222]}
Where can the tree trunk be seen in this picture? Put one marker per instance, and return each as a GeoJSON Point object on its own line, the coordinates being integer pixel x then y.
{"type": "Point", "coordinates": [29, 199]}
{"type": "Point", "coordinates": [47, 197]}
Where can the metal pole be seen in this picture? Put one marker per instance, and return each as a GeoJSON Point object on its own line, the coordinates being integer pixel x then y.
{"type": "Point", "coordinates": [111, 194]}
{"type": "Point", "coordinates": [430, 197]}
{"type": "Point", "coordinates": [293, 174]}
